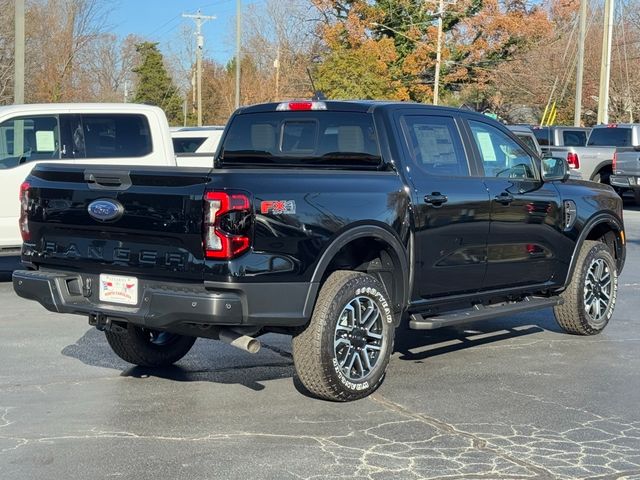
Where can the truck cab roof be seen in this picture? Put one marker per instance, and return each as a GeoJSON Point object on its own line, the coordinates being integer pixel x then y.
{"type": "Point", "coordinates": [358, 106]}
{"type": "Point", "coordinates": [38, 108]}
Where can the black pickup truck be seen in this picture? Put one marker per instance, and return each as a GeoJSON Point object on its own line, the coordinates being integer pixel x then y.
{"type": "Point", "coordinates": [335, 222]}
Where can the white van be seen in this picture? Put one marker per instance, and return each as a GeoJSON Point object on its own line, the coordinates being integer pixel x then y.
{"type": "Point", "coordinates": [101, 133]}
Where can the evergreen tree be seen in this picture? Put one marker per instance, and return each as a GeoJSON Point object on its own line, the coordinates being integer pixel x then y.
{"type": "Point", "coordinates": [155, 86]}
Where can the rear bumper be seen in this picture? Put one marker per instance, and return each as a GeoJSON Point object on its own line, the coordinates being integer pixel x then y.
{"type": "Point", "coordinates": [624, 181]}
{"type": "Point", "coordinates": [178, 307]}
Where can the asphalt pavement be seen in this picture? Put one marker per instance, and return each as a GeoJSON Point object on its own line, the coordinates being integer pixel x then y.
{"type": "Point", "coordinates": [505, 399]}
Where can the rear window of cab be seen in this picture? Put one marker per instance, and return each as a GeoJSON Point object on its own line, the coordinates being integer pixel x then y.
{"type": "Point", "coordinates": [302, 138]}
{"type": "Point", "coordinates": [610, 136]}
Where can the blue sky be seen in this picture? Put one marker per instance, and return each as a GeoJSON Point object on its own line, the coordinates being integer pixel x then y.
{"type": "Point", "coordinates": [161, 21]}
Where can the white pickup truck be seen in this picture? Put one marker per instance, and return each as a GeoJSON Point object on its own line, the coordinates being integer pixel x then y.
{"type": "Point", "coordinates": [99, 134]}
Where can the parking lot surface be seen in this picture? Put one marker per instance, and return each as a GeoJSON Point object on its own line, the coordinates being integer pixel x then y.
{"type": "Point", "coordinates": [509, 398]}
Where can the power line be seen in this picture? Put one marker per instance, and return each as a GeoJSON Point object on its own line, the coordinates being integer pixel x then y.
{"type": "Point", "coordinates": [150, 34]}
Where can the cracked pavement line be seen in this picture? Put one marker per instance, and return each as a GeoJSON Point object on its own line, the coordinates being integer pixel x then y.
{"type": "Point", "coordinates": [598, 448]}
{"type": "Point", "coordinates": [371, 453]}
{"type": "Point", "coordinates": [477, 442]}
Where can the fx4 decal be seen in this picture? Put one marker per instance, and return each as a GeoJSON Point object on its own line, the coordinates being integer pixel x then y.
{"type": "Point", "coordinates": [278, 207]}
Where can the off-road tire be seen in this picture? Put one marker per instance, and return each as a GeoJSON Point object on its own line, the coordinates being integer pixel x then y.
{"type": "Point", "coordinates": [135, 346]}
{"type": "Point", "coordinates": [314, 352]}
{"type": "Point", "coordinates": [572, 315]}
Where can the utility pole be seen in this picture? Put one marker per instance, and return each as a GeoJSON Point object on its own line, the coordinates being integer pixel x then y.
{"type": "Point", "coordinates": [184, 112]}
{"type": "Point", "coordinates": [436, 82]}
{"type": "Point", "coordinates": [276, 65]}
{"type": "Point", "coordinates": [199, 20]}
{"type": "Point", "coordinates": [126, 91]}
{"type": "Point", "coordinates": [18, 79]}
{"type": "Point", "coordinates": [238, 57]}
{"type": "Point", "coordinates": [605, 63]}
{"type": "Point", "coordinates": [577, 115]}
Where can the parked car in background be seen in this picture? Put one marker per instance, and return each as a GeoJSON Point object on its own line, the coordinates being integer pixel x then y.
{"type": "Point", "coordinates": [593, 162]}
{"type": "Point", "coordinates": [561, 136]}
{"type": "Point", "coordinates": [98, 134]}
{"type": "Point", "coordinates": [626, 164]}
{"type": "Point", "coordinates": [525, 133]}
{"type": "Point", "coordinates": [195, 146]}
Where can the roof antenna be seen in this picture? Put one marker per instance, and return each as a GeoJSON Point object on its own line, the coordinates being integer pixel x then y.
{"type": "Point", "coordinates": [317, 95]}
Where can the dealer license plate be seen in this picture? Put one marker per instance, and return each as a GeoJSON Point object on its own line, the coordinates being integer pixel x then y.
{"type": "Point", "coordinates": [118, 289]}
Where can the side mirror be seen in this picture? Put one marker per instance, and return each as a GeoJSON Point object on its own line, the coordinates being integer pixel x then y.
{"type": "Point", "coordinates": [555, 168]}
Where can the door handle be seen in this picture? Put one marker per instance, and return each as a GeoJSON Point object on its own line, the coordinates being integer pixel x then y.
{"type": "Point", "coordinates": [436, 199]}
{"type": "Point", "coordinates": [504, 198]}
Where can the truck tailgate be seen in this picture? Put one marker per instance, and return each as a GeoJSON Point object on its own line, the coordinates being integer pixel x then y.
{"type": "Point", "coordinates": [139, 221]}
{"type": "Point", "coordinates": [627, 162]}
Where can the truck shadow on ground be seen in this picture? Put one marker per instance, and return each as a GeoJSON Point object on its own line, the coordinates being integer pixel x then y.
{"type": "Point", "coordinates": [419, 345]}
{"type": "Point", "coordinates": [208, 361]}
{"type": "Point", "coordinates": [212, 361]}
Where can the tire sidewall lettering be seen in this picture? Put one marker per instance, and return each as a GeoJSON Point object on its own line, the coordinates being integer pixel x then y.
{"type": "Point", "coordinates": [379, 297]}
{"type": "Point", "coordinates": [356, 387]}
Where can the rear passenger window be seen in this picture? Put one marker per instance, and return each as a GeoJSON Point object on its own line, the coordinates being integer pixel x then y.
{"type": "Point", "coordinates": [574, 139]}
{"type": "Point", "coordinates": [110, 136]}
{"type": "Point", "coordinates": [29, 139]}
{"type": "Point", "coordinates": [543, 135]}
{"type": "Point", "coordinates": [434, 145]}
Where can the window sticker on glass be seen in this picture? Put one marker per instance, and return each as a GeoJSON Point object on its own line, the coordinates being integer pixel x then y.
{"type": "Point", "coordinates": [486, 146]}
{"type": "Point", "coordinates": [45, 141]}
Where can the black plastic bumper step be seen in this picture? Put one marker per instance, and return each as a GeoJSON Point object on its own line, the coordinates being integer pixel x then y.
{"type": "Point", "coordinates": [481, 312]}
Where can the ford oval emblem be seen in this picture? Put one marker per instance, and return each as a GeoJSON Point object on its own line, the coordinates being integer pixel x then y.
{"type": "Point", "coordinates": [105, 210]}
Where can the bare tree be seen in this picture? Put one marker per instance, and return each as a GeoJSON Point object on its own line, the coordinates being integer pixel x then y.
{"type": "Point", "coordinates": [6, 52]}
{"type": "Point", "coordinates": [59, 31]}
{"type": "Point", "coordinates": [106, 66]}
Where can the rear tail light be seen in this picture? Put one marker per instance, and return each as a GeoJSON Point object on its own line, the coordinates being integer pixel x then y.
{"type": "Point", "coordinates": [573, 160]}
{"type": "Point", "coordinates": [300, 106]}
{"type": "Point", "coordinates": [24, 210]}
{"type": "Point", "coordinates": [614, 161]}
{"type": "Point", "coordinates": [227, 224]}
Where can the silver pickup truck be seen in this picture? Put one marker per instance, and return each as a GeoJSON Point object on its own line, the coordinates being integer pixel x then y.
{"type": "Point", "coordinates": [626, 165]}
{"type": "Point", "coordinates": [593, 160]}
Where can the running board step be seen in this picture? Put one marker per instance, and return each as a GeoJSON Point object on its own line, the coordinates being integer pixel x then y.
{"type": "Point", "coordinates": [481, 312]}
